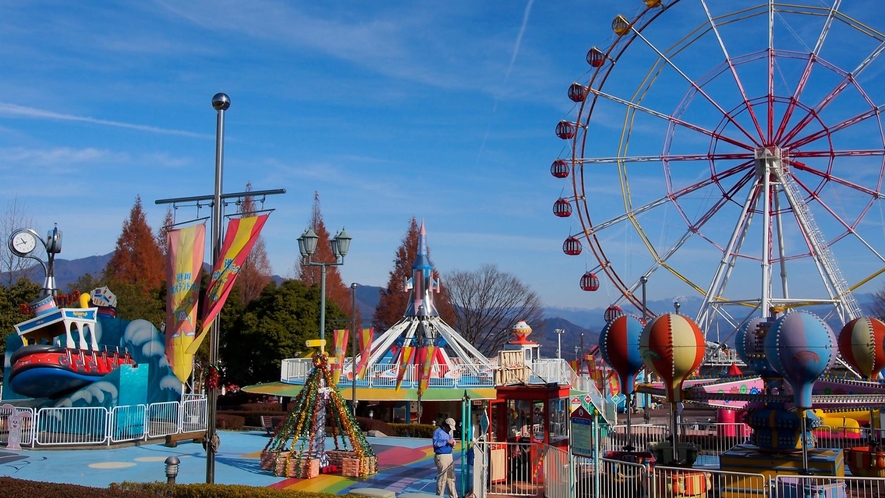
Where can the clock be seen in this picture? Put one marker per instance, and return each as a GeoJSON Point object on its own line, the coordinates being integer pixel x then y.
{"type": "Point", "coordinates": [23, 242]}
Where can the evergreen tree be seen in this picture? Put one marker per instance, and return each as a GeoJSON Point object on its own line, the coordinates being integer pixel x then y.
{"type": "Point", "coordinates": [137, 259]}
{"type": "Point", "coordinates": [23, 291]}
{"type": "Point", "coordinates": [272, 328]}
{"type": "Point", "coordinates": [395, 298]}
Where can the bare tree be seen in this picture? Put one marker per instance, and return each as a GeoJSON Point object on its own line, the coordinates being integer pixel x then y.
{"type": "Point", "coordinates": [877, 308]}
{"type": "Point", "coordinates": [11, 265]}
{"type": "Point", "coordinates": [487, 303]}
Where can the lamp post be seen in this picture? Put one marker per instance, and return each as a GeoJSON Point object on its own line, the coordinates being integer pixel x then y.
{"type": "Point", "coordinates": [353, 347]}
{"type": "Point", "coordinates": [577, 358]}
{"type": "Point", "coordinates": [307, 245]}
{"type": "Point", "coordinates": [221, 103]}
{"type": "Point", "coordinates": [559, 333]}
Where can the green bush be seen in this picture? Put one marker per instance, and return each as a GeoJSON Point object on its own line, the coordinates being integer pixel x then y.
{"type": "Point", "coordinates": [413, 430]}
{"type": "Point", "coordinates": [215, 491]}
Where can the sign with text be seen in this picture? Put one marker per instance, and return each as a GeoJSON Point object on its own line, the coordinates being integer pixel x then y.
{"type": "Point", "coordinates": [581, 432]}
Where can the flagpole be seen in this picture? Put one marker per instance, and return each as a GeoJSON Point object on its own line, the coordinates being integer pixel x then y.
{"type": "Point", "coordinates": [221, 103]}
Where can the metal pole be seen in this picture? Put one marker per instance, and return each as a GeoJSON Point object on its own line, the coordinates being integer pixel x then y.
{"type": "Point", "coordinates": [221, 103]}
{"type": "Point", "coordinates": [559, 333]}
{"type": "Point", "coordinates": [323, 305]}
{"type": "Point", "coordinates": [353, 346]}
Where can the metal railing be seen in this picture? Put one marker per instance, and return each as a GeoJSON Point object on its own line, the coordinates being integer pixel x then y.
{"type": "Point", "coordinates": [101, 426]}
{"type": "Point", "coordinates": [458, 375]}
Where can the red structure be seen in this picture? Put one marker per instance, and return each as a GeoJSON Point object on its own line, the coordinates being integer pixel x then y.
{"type": "Point", "coordinates": [566, 130]}
{"type": "Point", "coordinates": [572, 246]}
{"type": "Point", "coordinates": [562, 208]}
{"type": "Point", "coordinates": [595, 57]}
{"type": "Point", "coordinates": [590, 282]}
{"type": "Point", "coordinates": [613, 312]}
{"type": "Point", "coordinates": [559, 168]}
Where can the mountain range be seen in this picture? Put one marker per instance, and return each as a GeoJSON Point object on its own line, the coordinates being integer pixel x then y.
{"type": "Point", "coordinates": [580, 325]}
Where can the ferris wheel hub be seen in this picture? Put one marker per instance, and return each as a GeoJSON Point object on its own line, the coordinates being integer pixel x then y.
{"type": "Point", "coordinates": [771, 159]}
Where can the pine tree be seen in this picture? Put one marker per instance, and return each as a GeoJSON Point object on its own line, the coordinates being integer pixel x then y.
{"type": "Point", "coordinates": [137, 258]}
{"type": "Point", "coordinates": [256, 271]}
{"type": "Point", "coordinates": [335, 289]}
{"type": "Point", "coordinates": [395, 298]}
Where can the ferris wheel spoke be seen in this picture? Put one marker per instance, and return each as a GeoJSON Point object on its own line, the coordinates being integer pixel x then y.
{"type": "Point", "coordinates": [847, 79]}
{"type": "Point", "coordinates": [874, 112]}
{"type": "Point", "coordinates": [850, 228]}
{"type": "Point", "coordinates": [672, 119]}
{"type": "Point", "coordinates": [732, 68]}
{"type": "Point", "coordinates": [663, 158]}
{"type": "Point", "coordinates": [829, 176]}
{"type": "Point", "coordinates": [596, 228]}
{"type": "Point", "coordinates": [803, 80]}
{"type": "Point", "coordinates": [696, 87]}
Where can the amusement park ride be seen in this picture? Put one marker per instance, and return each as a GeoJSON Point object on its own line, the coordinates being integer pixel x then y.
{"type": "Point", "coordinates": [747, 170]}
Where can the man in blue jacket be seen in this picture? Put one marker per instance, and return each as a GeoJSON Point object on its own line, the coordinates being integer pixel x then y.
{"type": "Point", "coordinates": [443, 442]}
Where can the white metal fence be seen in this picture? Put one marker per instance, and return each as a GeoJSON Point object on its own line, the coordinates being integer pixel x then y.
{"type": "Point", "coordinates": [97, 425]}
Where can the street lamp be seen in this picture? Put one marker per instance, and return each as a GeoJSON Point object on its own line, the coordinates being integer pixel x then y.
{"type": "Point", "coordinates": [559, 333]}
{"type": "Point", "coordinates": [307, 245]}
{"type": "Point", "coordinates": [353, 347]}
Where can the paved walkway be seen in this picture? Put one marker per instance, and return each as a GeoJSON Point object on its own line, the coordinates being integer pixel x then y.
{"type": "Point", "coordinates": [404, 465]}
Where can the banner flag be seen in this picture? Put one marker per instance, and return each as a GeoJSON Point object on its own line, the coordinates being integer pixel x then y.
{"type": "Point", "coordinates": [405, 361]}
{"type": "Point", "coordinates": [339, 351]}
{"type": "Point", "coordinates": [239, 238]}
{"type": "Point", "coordinates": [365, 350]}
{"type": "Point", "coordinates": [184, 263]}
{"type": "Point", "coordinates": [425, 364]}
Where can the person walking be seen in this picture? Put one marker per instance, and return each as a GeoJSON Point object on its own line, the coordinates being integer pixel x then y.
{"type": "Point", "coordinates": [443, 442]}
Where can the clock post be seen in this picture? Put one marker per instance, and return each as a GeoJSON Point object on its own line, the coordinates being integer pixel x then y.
{"type": "Point", "coordinates": [23, 242]}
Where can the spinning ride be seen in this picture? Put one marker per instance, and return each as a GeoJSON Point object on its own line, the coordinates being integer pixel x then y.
{"type": "Point", "coordinates": [743, 150]}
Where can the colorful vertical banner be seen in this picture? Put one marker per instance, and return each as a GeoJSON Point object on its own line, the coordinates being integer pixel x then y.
{"type": "Point", "coordinates": [184, 263]}
{"type": "Point", "coordinates": [339, 352]}
{"type": "Point", "coordinates": [405, 361]}
{"type": "Point", "coordinates": [239, 238]}
{"type": "Point", "coordinates": [425, 364]}
{"type": "Point", "coordinates": [365, 350]}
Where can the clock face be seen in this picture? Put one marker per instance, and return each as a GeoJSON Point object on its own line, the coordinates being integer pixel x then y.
{"type": "Point", "coordinates": [22, 243]}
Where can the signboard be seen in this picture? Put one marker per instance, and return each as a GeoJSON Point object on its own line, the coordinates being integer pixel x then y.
{"type": "Point", "coordinates": [581, 432]}
{"type": "Point", "coordinates": [511, 368]}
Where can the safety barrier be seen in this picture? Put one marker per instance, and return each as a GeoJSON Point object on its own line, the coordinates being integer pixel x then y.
{"type": "Point", "coordinates": [59, 426]}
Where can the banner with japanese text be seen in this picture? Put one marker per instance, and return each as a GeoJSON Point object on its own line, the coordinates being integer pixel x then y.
{"type": "Point", "coordinates": [184, 265]}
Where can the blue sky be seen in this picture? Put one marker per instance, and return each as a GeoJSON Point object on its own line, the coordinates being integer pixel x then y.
{"type": "Point", "coordinates": [442, 111]}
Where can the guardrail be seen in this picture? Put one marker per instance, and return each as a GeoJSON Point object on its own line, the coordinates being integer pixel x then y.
{"type": "Point", "coordinates": [296, 370]}
{"type": "Point", "coordinates": [59, 426]}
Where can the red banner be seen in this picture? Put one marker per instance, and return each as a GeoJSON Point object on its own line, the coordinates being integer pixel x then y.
{"type": "Point", "coordinates": [365, 350]}
{"type": "Point", "coordinates": [184, 264]}
{"type": "Point", "coordinates": [239, 238]}
{"type": "Point", "coordinates": [425, 364]}
{"type": "Point", "coordinates": [405, 361]}
{"type": "Point", "coordinates": [339, 352]}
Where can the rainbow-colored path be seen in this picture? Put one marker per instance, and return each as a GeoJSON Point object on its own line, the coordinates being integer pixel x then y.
{"type": "Point", "coordinates": [404, 465]}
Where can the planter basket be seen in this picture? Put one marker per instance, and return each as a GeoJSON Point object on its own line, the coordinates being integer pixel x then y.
{"type": "Point", "coordinates": [359, 467]}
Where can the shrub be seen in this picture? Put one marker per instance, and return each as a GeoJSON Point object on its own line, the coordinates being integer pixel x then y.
{"type": "Point", "coordinates": [20, 488]}
{"type": "Point", "coordinates": [413, 430]}
{"type": "Point", "coordinates": [216, 491]}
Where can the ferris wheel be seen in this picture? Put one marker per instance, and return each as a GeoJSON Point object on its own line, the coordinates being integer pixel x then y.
{"type": "Point", "coordinates": [732, 151]}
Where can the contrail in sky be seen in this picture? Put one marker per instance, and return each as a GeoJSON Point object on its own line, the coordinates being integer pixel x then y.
{"type": "Point", "coordinates": [525, 21]}
{"type": "Point", "coordinates": [30, 112]}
